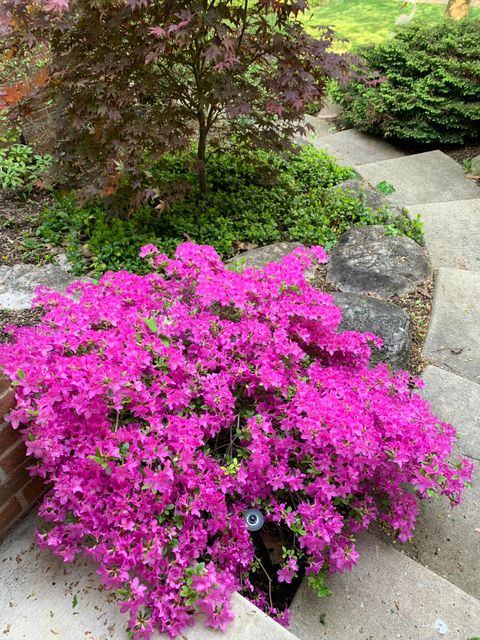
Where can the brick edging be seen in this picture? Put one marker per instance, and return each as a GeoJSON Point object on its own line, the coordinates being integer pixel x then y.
{"type": "Point", "coordinates": [18, 490]}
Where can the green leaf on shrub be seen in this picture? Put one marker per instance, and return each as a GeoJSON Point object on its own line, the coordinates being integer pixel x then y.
{"type": "Point", "coordinates": [422, 86]}
{"type": "Point", "coordinates": [317, 582]}
{"type": "Point", "coordinates": [385, 187]}
{"type": "Point", "coordinates": [151, 324]}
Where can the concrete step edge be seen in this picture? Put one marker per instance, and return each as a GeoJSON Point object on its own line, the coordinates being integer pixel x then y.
{"type": "Point", "coordinates": [386, 596]}
{"type": "Point", "coordinates": [38, 589]}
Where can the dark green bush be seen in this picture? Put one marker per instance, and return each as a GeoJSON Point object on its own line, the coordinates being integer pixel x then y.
{"type": "Point", "coordinates": [265, 199]}
{"type": "Point", "coordinates": [431, 91]}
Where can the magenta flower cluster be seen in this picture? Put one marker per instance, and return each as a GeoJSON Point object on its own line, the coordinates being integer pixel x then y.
{"type": "Point", "coordinates": [161, 407]}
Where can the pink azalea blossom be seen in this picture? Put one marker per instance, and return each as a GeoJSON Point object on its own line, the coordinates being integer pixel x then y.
{"type": "Point", "coordinates": [160, 407]}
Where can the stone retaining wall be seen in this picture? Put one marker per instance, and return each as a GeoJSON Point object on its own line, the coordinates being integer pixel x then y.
{"type": "Point", "coordinates": [18, 491]}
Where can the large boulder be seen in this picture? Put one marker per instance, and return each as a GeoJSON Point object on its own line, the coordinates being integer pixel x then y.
{"type": "Point", "coordinates": [19, 283]}
{"type": "Point", "coordinates": [261, 256]}
{"type": "Point", "coordinates": [389, 322]}
{"type": "Point", "coordinates": [369, 196]}
{"type": "Point", "coordinates": [367, 260]}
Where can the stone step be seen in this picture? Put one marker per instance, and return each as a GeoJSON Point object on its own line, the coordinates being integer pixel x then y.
{"type": "Point", "coordinates": [453, 338]}
{"type": "Point", "coordinates": [42, 597]}
{"type": "Point", "coordinates": [421, 178]}
{"type": "Point", "coordinates": [448, 540]}
{"type": "Point", "coordinates": [351, 147]}
{"type": "Point", "coordinates": [457, 401]}
{"type": "Point", "coordinates": [329, 111]}
{"type": "Point", "coordinates": [386, 596]}
{"type": "Point", "coordinates": [452, 233]}
{"type": "Point", "coordinates": [321, 127]}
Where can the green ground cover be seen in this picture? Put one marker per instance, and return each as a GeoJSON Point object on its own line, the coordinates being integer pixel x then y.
{"type": "Point", "coordinates": [266, 198]}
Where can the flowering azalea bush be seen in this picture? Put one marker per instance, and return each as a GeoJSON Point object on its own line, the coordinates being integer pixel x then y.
{"type": "Point", "coordinates": [161, 407]}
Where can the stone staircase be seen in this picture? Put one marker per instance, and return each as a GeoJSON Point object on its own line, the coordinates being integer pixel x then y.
{"type": "Point", "coordinates": [428, 588]}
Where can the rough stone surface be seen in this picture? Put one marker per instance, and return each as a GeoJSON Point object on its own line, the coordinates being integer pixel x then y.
{"type": "Point", "coordinates": [63, 262]}
{"type": "Point", "coordinates": [351, 147]}
{"type": "Point", "coordinates": [422, 178]}
{"type": "Point", "coordinates": [263, 255]}
{"type": "Point", "coordinates": [369, 196]}
{"type": "Point", "coordinates": [38, 590]}
{"type": "Point", "coordinates": [387, 596]}
{"type": "Point", "coordinates": [452, 233]}
{"type": "Point", "coordinates": [19, 283]}
{"type": "Point", "coordinates": [366, 260]}
{"type": "Point", "coordinates": [475, 167]}
{"type": "Point", "coordinates": [392, 324]}
{"type": "Point", "coordinates": [446, 540]}
{"type": "Point", "coordinates": [453, 339]}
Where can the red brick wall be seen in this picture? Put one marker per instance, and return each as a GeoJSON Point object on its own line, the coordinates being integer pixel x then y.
{"type": "Point", "coordinates": [18, 491]}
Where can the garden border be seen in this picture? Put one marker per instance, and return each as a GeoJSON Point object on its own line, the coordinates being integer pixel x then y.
{"type": "Point", "coordinates": [18, 490]}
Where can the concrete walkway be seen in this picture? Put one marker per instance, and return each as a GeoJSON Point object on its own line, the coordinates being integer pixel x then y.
{"type": "Point", "coordinates": [42, 598]}
{"type": "Point", "coordinates": [430, 587]}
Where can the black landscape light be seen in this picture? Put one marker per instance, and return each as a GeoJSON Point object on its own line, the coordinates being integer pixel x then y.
{"type": "Point", "coordinates": [253, 519]}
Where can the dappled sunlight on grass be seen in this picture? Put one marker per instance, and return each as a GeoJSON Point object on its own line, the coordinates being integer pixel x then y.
{"type": "Point", "coordinates": [367, 21]}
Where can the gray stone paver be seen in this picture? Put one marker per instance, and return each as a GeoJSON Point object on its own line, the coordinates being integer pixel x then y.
{"type": "Point", "coordinates": [36, 600]}
{"type": "Point", "coordinates": [453, 339]}
{"type": "Point", "coordinates": [351, 147]}
{"type": "Point", "coordinates": [321, 127]}
{"type": "Point", "coordinates": [422, 178]}
{"type": "Point", "coordinates": [447, 540]}
{"type": "Point", "coordinates": [452, 233]}
{"type": "Point", "coordinates": [330, 110]}
{"type": "Point", "coordinates": [386, 596]}
{"type": "Point", "coordinates": [456, 400]}
{"type": "Point", "coordinates": [19, 283]}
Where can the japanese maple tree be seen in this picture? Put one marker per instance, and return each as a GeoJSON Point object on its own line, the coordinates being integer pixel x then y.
{"type": "Point", "coordinates": [133, 79]}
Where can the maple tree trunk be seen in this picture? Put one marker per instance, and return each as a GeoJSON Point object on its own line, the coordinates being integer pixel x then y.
{"type": "Point", "coordinates": [457, 9]}
{"type": "Point", "coordinates": [202, 157]}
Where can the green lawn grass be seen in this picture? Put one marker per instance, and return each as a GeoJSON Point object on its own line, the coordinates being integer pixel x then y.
{"type": "Point", "coordinates": [367, 21]}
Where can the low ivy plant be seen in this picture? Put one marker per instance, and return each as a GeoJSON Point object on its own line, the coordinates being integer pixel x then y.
{"type": "Point", "coordinates": [21, 169]}
{"type": "Point", "coordinates": [266, 198]}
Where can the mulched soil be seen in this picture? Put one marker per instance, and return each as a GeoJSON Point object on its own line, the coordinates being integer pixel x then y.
{"type": "Point", "coordinates": [17, 227]}
{"type": "Point", "coordinates": [25, 318]}
{"type": "Point", "coordinates": [418, 305]}
{"type": "Point", "coordinates": [467, 152]}
{"type": "Point", "coordinates": [18, 244]}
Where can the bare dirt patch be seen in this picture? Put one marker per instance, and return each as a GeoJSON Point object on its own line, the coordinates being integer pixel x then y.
{"type": "Point", "coordinates": [18, 218]}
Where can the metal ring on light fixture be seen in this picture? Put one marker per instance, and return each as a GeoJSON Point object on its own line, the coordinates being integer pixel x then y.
{"type": "Point", "coordinates": [253, 519]}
